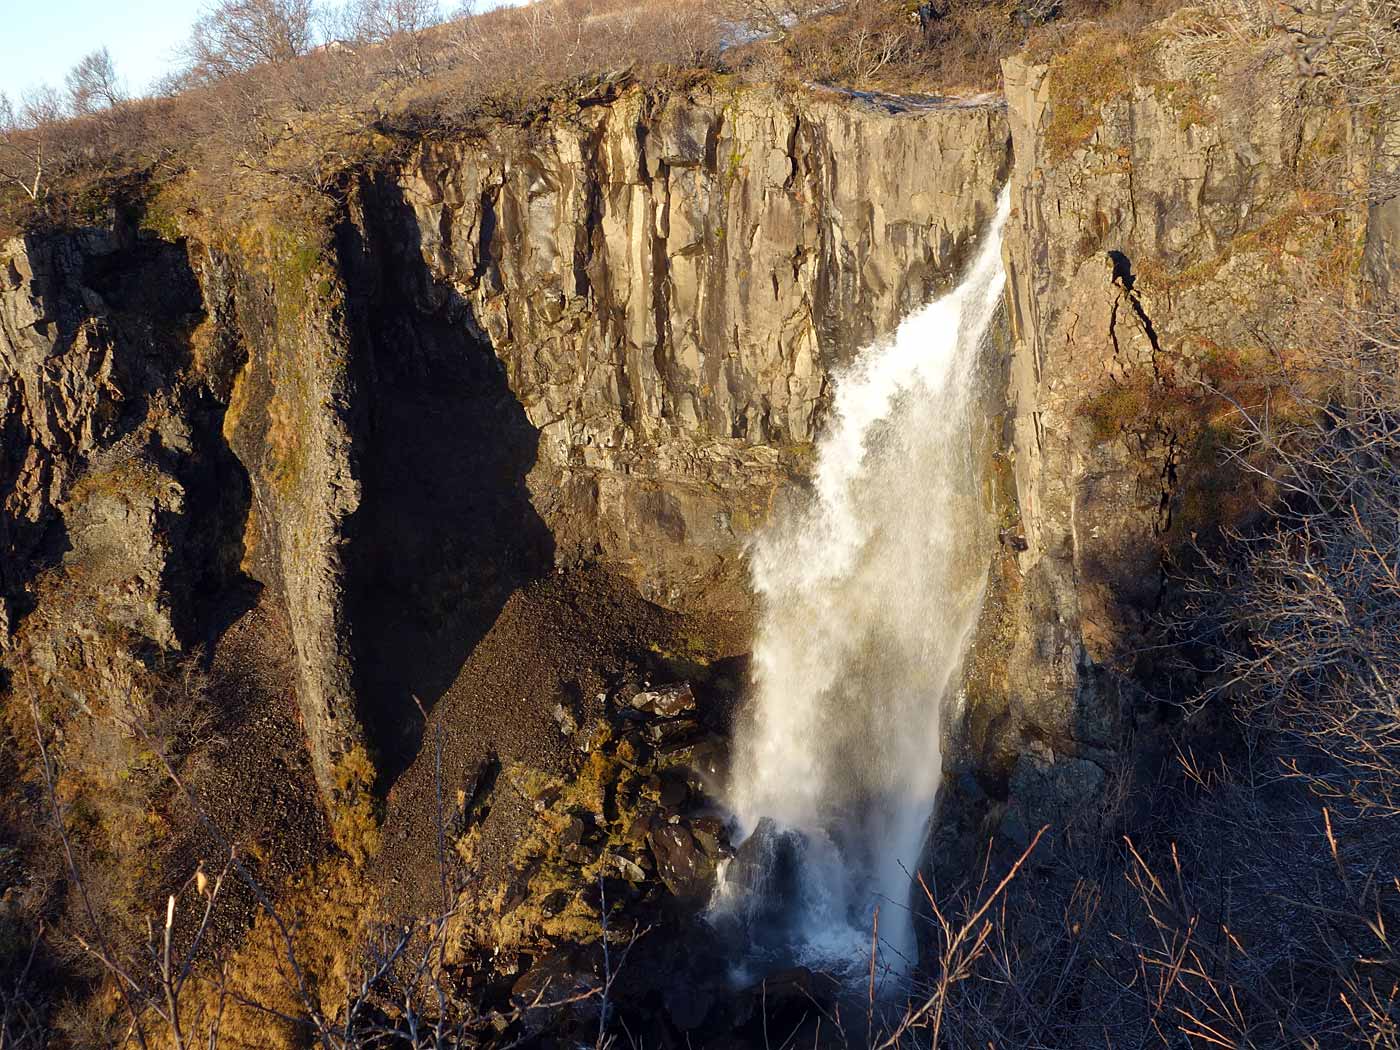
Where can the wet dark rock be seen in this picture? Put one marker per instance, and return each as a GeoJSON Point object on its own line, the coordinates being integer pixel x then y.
{"type": "Point", "coordinates": [633, 750]}
{"type": "Point", "coordinates": [622, 700]}
{"type": "Point", "coordinates": [699, 785]}
{"type": "Point", "coordinates": [785, 997]}
{"type": "Point", "coordinates": [966, 821]}
{"type": "Point", "coordinates": [475, 796]}
{"type": "Point", "coordinates": [560, 990]}
{"type": "Point", "coordinates": [573, 832]}
{"type": "Point", "coordinates": [674, 791]}
{"type": "Point", "coordinates": [704, 752]}
{"type": "Point", "coordinates": [1044, 792]}
{"type": "Point", "coordinates": [709, 759]}
{"type": "Point", "coordinates": [579, 856]}
{"type": "Point", "coordinates": [669, 701]}
{"type": "Point", "coordinates": [688, 1005]}
{"type": "Point", "coordinates": [712, 836]}
{"type": "Point", "coordinates": [628, 869]}
{"type": "Point", "coordinates": [546, 799]}
{"type": "Point", "coordinates": [555, 903]}
{"type": "Point", "coordinates": [685, 868]}
{"type": "Point", "coordinates": [642, 825]}
{"type": "Point", "coordinates": [767, 859]}
{"type": "Point", "coordinates": [675, 738]}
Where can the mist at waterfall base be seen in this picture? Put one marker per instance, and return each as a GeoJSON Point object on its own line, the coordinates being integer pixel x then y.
{"type": "Point", "coordinates": [868, 595]}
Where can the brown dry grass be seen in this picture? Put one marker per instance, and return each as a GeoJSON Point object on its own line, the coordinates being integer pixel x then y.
{"type": "Point", "coordinates": [301, 125]}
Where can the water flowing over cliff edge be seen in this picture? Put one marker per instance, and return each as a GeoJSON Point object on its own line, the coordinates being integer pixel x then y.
{"type": "Point", "coordinates": [868, 596]}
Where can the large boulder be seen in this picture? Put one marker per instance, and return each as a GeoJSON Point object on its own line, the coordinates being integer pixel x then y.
{"type": "Point", "coordinates": [668, 701]}
{"type": "Point", "coordinates": [685, 866]}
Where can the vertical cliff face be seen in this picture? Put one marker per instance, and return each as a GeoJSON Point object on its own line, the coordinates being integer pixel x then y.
{"type": "Point", "coordinates": [607, 338]}
{"type": "Point", "coordinates": [1176, 229]}
{"type": "Point", "coordinates": [604, 338]}
{"type": "Point", "coordinates": [667, 283]}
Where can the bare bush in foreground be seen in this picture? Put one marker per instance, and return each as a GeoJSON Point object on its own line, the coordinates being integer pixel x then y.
{"type": "Point", "coordinates": [1301, 620]}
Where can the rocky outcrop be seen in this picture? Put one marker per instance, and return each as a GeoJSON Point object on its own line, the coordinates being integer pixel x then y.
{"type": "Point", "coordinates": [668, 282]}
{"type": "Point", "coordinates": [1172, 237]}
{"type": "Point", "coordinates": [278, 306]}
{"type": "Point", "coordinates": [93, 349]}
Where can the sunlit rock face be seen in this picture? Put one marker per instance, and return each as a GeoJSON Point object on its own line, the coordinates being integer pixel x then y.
{"type": "Point", "coordinates": [605, 337]}
{"type": "Point", "coordinates": [1156, 237]}
{"type": "Point", "coordinates": [667, 283]}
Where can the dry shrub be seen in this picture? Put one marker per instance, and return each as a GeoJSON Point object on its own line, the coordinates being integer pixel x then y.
{"type": "Point", "coordinates": [966, 45]}
{"type": "Point", "coordinates": [1354, 44]}
{"type": "Point", "coordinates": [1308, 639]}
{"type": "Point", "coordinates": [889, 44]}
{"type": "Point", "coordinates": [256, 999]}
{"type": "Point", "coordinates": [1243, 885]}
{"type": "Point", "coordinates": [514, 62]}
{"type": "Point", "coordinates": [262, 100]}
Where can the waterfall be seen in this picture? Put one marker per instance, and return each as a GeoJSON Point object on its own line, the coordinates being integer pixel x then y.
{"type": "Point", "coordinates": [868, 597]}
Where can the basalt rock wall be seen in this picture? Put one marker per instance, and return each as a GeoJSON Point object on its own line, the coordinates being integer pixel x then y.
{"type": "Point", "coordinates": [1185, 223]}
{"type": "Point", "coordinates": [668, 283]}
{"type": "Point", "coordinates": [606, 338]}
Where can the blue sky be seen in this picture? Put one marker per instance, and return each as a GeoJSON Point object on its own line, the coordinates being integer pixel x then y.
{"type": "Point", "coordinates": [43, 39]}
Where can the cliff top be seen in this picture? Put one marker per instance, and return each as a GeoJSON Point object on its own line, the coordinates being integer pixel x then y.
{"type": "Point", "coordinates": [317, 94]}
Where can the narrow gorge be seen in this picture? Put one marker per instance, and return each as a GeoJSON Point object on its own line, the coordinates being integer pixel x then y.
{"type": "Point", "coordinates": [678, 555]}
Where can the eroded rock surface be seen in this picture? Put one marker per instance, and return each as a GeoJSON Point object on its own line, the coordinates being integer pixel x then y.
{"type": "Point", "coordinates": [668, 283]}
{"type": "Point", "coordinates": [604, 338]}
{"type": "Point", "coordinates": [1159, 237]}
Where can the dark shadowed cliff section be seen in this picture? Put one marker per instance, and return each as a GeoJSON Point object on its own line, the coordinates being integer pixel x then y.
{"type": "Point", "coordinates": [445, 532]}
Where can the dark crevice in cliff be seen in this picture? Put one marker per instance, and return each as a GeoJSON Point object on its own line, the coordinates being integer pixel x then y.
{"type": "Point", "coordinates": [588, 234]}
{"type": "Point", "coordinates": [661, 309]}
{"type": "Point", "coordinates": [120, 389]}
{"type": "Point", "coordinates": [1170, 481]}
{"type": "Point", "coordinates": [791, 147]}
{"type": "Point", "coordinates": [713, 132]}
{"type": "Point", "coordinates": [445, 531]}
{"type": "Point", "coordinates": [20, 539]}
{"type": "Point", "coordinates": [209, 590]}
{"type": "Point", "coordinates": [486, 253]}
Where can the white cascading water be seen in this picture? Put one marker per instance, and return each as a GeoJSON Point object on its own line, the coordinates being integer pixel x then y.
{"type": "Point", "coordinates": [868, 595]}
